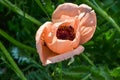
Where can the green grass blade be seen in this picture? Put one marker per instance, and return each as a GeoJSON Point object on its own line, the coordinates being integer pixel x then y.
{"type": "Point", "coordinates": [41, 6]}
{"type": "Point", "coordinates": [87, 59]}
{"type": "Point", "coordinates": [99, 10]}
{"type": "Point", "coordinates": [15, 42]}
{"type": "Point", "coordinates": [12, 62]}
{"type": "Point", "coordinates": [14, 8]}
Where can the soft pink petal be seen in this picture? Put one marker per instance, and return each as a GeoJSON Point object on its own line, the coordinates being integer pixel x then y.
{"type": "Point", "coordinates": [84, 8]}
{"type": "Point", "coordinates": [65, 56]}
{"type": "Point", "coordinates": [42, 49]}
{"type": "Point", "coordinates": [87, 26]}
{"type": "Point", "coordinates": [67, 10]}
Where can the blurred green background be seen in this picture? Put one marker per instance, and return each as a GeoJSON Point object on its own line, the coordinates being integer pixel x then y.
{"type": "Point", "coordinates": [19, 21]}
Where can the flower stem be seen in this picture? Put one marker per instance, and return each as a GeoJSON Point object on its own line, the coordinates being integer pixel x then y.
{"type": "Point", "coordinates": [60, 66]}
{"type": "Point", "coordinates": [13, 7]}
{"type": "Point", "coordinates": [99, 10]}
{"type": "Point", "coordinates": [12, 62]}
{"type": "Point", "coordinates": [15, 42]}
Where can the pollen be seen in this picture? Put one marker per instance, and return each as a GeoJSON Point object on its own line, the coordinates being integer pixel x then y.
{"type": "Point", "coordinates": [65, 33]}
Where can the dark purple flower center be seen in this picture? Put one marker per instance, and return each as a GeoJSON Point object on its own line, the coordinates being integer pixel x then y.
{"type": "Point", "coordinates": [65, 33]}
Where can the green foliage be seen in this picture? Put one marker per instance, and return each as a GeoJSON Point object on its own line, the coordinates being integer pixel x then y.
{"type": "Point", "coordinates": [116, 73]}
{"type": "Point", "coordinates": [19, 21]}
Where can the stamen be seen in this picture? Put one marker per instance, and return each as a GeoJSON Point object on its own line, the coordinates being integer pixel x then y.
{"type": "Point", "coordinates": [65, 33]}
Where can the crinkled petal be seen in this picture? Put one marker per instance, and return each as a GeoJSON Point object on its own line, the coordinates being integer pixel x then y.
{"type": "Point", "coordinates": [65, 11]}
{"type": "Point", "coordinates": [42, 49]}
{"type": "Point", "coordinates": [87, 26]}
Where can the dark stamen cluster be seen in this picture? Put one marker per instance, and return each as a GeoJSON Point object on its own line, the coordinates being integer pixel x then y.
{"type": "Point", "coordinates": [65, 33]}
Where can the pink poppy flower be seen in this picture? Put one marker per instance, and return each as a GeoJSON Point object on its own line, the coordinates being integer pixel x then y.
{"type": "Point", "coordinates": [62, 38]}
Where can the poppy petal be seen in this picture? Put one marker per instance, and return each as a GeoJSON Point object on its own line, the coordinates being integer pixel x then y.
{"type": "Point", "coordinates": [65, 56]}
{"type": "Point", "coordinates": [43, 50]}
{"type": "Point", "coordinates": [87, 26]}
{"type": "Point", "coordinates": [67, 10]}
{"type": "Point", "coordinates": [84, 8]}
